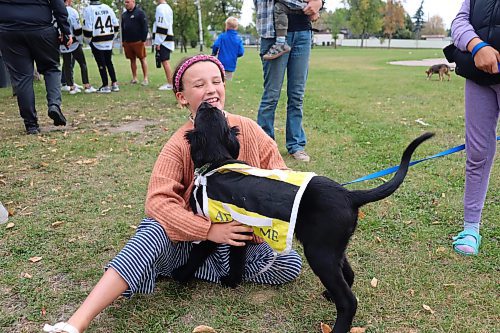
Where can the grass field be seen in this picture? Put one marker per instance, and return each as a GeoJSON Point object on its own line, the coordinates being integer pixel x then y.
{"type": "Point", "coordinates": [76, 194]}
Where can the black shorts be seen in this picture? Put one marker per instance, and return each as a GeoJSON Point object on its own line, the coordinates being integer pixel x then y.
{"type": "Point", "coordinates": [164, 53]}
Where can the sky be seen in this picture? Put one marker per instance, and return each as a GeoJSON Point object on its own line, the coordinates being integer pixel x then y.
{"type": "Point", "coordinates": [447, 9]}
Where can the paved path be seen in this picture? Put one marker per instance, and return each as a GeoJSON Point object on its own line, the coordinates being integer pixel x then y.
{"type": "Point", "coordinates": [423, 62]}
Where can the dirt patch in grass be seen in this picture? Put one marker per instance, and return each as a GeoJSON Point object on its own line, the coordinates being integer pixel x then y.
{"type": "Point", "coordinates": [137, 126]}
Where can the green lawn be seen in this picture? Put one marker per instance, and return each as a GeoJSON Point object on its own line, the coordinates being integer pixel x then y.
{"type": "Point", "coordinates": [359, 114]}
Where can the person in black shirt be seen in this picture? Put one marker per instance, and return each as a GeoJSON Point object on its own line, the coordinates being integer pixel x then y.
{"type": "Point", "coordinates": [28, 35]}
{"type": "Point", "coordinates": [134, 34]}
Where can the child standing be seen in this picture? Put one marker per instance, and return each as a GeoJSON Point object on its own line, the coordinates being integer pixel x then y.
{"type": "Point", "coordinates": [281, 11]}
{"type": "Point", "coordinates": [229, 47]}
{"type": "Point", "coordinates": [163, 240]}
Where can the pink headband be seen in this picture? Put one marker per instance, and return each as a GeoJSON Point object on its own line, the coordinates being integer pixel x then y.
{"type": "Point", "coordinates": [193, 60]}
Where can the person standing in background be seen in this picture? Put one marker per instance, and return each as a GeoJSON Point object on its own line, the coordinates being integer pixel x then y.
{"type": "Point", "coordinates": [99, 27]}
{"type": "Point", "coordinates": [75, 52]}
{"type": "Point", "coordinates": [28, 35]}
{"type": "Point", "coordinates": [229, 47]}
{"type": "Point", "coordinates": [295, 63]}
{"type": "Point", "coordinates": [164, 39]}
{"type": "Point", "coordinates": [134, 34]}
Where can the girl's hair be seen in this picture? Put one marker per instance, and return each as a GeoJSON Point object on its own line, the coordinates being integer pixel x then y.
{"type": "Point", "coordinates": [185, 63]}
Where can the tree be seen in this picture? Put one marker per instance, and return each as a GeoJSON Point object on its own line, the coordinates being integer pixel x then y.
{"type": "Point", "coordinates": [419, 20]}
{"type": "Point", "coordinates": [406, 32]}
{"type": "Point", "coordinates": [338, 21]}
{"type": "Point", "coordinates": [185, 22]}
{"type": "Point", "coordinates": [434, 26]}
{"type": "Point", "coordinates": [365, 16]}
{"type": "Point", "coordinates": [394, 18]}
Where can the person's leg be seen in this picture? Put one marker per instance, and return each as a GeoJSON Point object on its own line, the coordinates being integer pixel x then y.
{"type": "Point", "coordinates": [133, 68]}
{"type": "Point", "coordinates": [280, 47]}
{"type": "Point", "coordinates": [79, 56]}
{"type": "Point", "coordinates": [274, 73]}
{"type": "Point", "coordinates": [144, 64]}
{"type": "Point", "coordinates": [67, 58]}
{"type": "Point", "coordinates": [482, 106]}
{"type": "Point", "coordinates": [165, 60]}
{"type": "Point", "coordinates": [228, 75]}
{"type": "Point", "coordinates": [101, 64]}
{"type": "Point", "coordinates": [108, 58]}
{"type": "Point", "coordinates": [19, 62]}
{"type": "Point", "coordinates": [298, 65]}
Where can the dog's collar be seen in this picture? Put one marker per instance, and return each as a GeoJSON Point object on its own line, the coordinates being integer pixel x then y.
{"type": "Point", "coordinates": [201, 170]}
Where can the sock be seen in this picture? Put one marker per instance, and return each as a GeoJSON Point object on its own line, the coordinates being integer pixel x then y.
{"type": "Point", "coordinates": [281, 40]}
{"type": "Point", "coordinates": [469, 226]}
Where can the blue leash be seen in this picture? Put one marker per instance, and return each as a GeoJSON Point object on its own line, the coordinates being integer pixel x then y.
{"type": "Point", "coordinates": [395, 168]}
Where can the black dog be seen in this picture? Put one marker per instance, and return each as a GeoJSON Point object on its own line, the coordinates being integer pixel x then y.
{"type": "Point", "coordinates": [327, 215]}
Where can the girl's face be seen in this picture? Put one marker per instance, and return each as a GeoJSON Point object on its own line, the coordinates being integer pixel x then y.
{"type": "Point", "coordinates": [202, 82]}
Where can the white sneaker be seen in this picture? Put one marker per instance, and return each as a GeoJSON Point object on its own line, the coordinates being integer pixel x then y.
{"type": "Point", "coordinates": [145, 83]}
{"type": "Point", "coordinates": [104, 90]}
{"type": "Point", "coordinates": [90, 90]}
{"type": "Point", "coordinates": [115, 87]}
{"type": "Point", "coordinates": [301, 155]}
{"type": "Point", "coordinates": [166, 86]}
{"type": "Point", "coordinates": [75, 90]}
{"type": "Point", "coordinates": [65, 88]}
{"type": "Point", "coordinates": [60, 327]}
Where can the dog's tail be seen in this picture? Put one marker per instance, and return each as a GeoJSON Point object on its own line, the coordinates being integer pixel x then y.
{"type": "Point", "coordinates": [362, 197]}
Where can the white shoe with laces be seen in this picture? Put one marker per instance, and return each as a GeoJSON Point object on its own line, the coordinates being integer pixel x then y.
{"type": "Point", "coordinates": [90, 90]}
{"type": "Point", "coordinates": [60, 327]}
{"type": "Point", "coordinates": [65, 88]}
{"type": "Point", "coordinates": [115, 87]}
{"type": "Point", "coordinates": [301, 155]}
{"type": "Point", "coordinates": [75, 90]}
{"type": "Point", "coordinates": [166, 86]}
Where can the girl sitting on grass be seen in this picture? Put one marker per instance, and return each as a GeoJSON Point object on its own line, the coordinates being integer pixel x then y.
{"type": "Point", "coordinates": [164, 239]}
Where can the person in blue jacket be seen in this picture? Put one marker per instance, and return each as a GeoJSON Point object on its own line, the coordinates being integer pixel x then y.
{"type": "Point", "coordinates": [229, 47]}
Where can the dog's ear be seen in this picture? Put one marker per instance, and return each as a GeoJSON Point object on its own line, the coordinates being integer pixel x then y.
{"type": "Point", "coordinates": [196, 139]}
{"type": "Point", "coordinates": [233, 144]}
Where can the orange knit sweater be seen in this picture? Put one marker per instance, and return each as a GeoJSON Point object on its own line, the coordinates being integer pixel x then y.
{"type": "Point", "coordinates": [171, 182]}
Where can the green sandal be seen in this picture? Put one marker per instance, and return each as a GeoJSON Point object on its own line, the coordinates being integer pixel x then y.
{"type": "Point", "coordinates": [461, 239]}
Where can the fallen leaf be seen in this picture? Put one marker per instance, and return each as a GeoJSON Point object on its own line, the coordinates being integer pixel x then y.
{"type": "Point", "coordinates": [44, 312]}
{"type": "Point", "coordinates": [56, 224]}
{"type": "Point", "coordinates": [412, 292]}
{"type": "Point", "coordinates": [441, 249]}
{"type": "Point", "coordinates": [443, 195]}
{"type": "Point", "coordinates": [133, 226]}
{"type": "Point", "coordinates": [11, 211]}
{"type": "Point", "coordinates": [203, 329]}
{"type": "Point", "coordinates": [9, 225]}
{"type": "Point", "coordinates": [358, 330]}
{"type": "Point", "coordinates": [374, 282]}
{"type": "Point", "coordinates": [325, 328]}
{"type": "Point", "coordinates": [3, 182]}
{"type": "Point", "coordinates": [449, 285]}
{"type": "Point", "coordinates": [428, 308]}
{"type": "Point", "coordinates": [361, 215]}
{"type": "Point", "coordinates": [35, 259]}
{"type": "Point", "coordinates": [378, 239]}
{"type": "Point", "coordinates": [26, 275]}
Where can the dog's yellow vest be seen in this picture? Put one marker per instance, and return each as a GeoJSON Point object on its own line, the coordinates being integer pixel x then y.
{"type": "Point", "coordinates": [267, 200]}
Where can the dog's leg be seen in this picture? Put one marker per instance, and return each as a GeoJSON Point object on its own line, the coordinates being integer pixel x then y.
{"type": "Point", "coordinates": [328, 267]}
{"type": "Point", "coordinates": [348, 276]}
{"type": "Point", "coordinates": [199, 253]}
{"type": "Point", "coordinates": [236, 267]}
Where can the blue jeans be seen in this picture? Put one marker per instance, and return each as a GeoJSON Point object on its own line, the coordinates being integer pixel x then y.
{"type": "Point", "coordinates": [296, 64]}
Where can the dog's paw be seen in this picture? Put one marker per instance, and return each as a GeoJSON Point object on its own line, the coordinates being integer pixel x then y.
{"type": "Point", "coordinates": [229, 281]}
{"type": "Point", "coordinates": [181, 275]}
{"type": "Point", "coordinates": [326, 294]}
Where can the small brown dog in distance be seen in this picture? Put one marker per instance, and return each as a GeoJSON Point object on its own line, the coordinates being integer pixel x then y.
{"type": "Point", "coordinates": [441, 69]}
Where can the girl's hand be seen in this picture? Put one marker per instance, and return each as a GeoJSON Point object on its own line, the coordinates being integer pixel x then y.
{"type": "Point", "coordinates": [486, 59]}
{"type": "Point", "coordinates": [230, 233]}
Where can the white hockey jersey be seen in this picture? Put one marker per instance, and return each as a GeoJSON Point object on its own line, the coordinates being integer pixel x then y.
{"type": "Point", "coordinates": [99, 26]}
{"type": "Point", "coordinates": [76, 30]}
{"type": "Point", "coordinates": [163, 26]}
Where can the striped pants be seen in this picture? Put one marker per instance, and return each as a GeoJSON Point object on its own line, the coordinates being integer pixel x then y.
{"type": "Point", "coordinates": [150, 254]}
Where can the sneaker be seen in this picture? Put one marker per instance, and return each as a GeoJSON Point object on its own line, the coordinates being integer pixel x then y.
{"type": "Point", "coordinates": [115, 87]}
{"type": "Point", "coordinates": [276, 51]}
{"type": "Point", "coordinates": [133, 81]}
{"type": "Point", "coordinates": [78, 86]}
{"type": "Point", "coordinates": [33, 130]}
{"type": "Point", "coordinates": [65, 88]}
{"type": "Point", "coordinates": [56, 115]}
{"type": "Point", "coordinates": [90, 90]}
{"type": "Point", "coordinates": [104, 90]}
{"type": "Point", "coordinates": [145, 82]}
{"type": "Point", "coordinates": [301, 155]}
{"type": "Point", "coordinates": [75, 90]}
{"type": "Point", "coordinates": [166, 86]}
